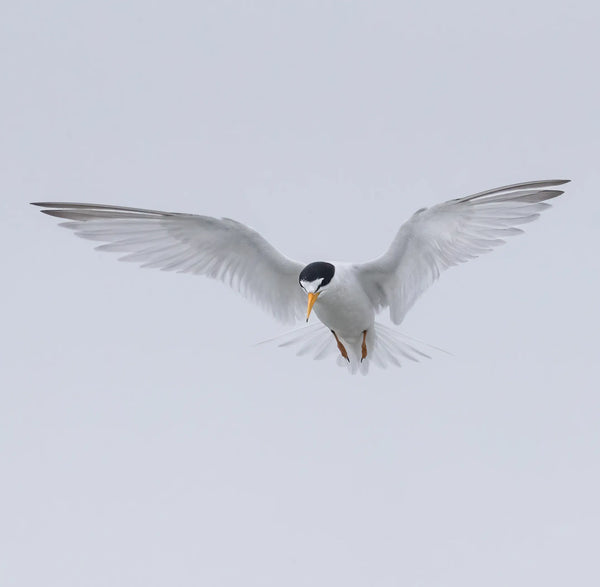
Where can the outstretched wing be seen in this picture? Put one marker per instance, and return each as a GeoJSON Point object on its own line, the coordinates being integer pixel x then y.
{"type": "Point", "coordinates": [447, 234]}
{"type": "Point", "coordinates": [216, 247]}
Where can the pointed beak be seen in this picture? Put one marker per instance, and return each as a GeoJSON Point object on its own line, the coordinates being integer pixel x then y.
{"type": "Point", "coordinates": [312, 298]}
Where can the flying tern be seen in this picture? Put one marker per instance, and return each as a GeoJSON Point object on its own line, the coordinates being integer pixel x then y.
{"type": "Point", "coordinates": [344, 296]}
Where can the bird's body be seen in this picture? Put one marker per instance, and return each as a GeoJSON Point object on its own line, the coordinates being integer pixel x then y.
{"type": "Point", "coordinates": [346, 308]}
{"type": "Point", "coordinates": [348, 312]}
{"type": "Point", "coordinates": [345, 296]}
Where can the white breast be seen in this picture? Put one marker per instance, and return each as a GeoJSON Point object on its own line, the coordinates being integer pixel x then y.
{"type": "Point", "coordinates": [344, 307]}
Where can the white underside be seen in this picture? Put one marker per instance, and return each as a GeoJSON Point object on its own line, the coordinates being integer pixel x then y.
{"type": "Point", "coordinates": [344, 306]}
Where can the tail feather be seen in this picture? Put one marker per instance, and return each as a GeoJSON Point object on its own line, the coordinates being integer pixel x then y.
{"type": "Point", "coordinates": [386, 346]}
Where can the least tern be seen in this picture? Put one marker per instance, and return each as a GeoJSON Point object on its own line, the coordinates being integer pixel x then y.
{"type": "Point", "coordinates": [344, 296]}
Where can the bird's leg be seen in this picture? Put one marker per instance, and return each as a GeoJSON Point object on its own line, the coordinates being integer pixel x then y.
{"type": "Point", "coordinates": [341, 347]}
{"type": "Point", "coordinates": [364, 347]}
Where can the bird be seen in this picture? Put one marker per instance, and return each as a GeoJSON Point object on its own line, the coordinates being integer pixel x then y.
{"type": "Point", "coordinates": [345, 296]}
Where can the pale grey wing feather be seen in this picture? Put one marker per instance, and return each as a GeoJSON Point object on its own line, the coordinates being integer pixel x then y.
{"type": "Point", "coordinates": [216, 247]}
{"type": "Point", "coordinates": [447, 234]}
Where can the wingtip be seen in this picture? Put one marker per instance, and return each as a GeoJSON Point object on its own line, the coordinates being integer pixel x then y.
{"type": "Point", "coordinates": [46, 205]}
{"type": "Point", "coordinates": [57, 213]}
{"type": "Point", "coordinates": [42, 205]}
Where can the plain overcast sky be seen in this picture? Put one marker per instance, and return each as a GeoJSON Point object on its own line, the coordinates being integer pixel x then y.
{"type": "Point", "coordinates": [144, 440]}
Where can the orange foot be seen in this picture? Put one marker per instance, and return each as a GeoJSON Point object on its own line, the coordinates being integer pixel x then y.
{"type": "Point", "coordinates": [364, 347]}
{"type": "Point", "coordinates": [341, 347]}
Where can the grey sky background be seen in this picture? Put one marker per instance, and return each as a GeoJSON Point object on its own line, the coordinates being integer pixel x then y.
{"type": "Point", "coordinates": [144, 440]}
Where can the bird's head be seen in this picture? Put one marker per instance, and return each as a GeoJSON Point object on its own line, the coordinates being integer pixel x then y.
{"type": "Point", "coordinates": [314, 279]}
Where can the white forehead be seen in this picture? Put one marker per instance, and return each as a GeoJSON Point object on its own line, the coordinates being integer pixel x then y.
{"type": "Point", "coordinates": [311, 286]}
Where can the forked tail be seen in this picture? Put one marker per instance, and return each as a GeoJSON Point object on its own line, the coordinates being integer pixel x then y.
{"type": "Point", "coordinates": [386, 346]}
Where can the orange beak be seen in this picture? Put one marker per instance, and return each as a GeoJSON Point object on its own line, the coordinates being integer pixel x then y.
{"type": "Point", "coordinates": [312, 298]}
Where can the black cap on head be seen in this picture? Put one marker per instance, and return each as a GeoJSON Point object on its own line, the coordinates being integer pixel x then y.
{"type": "Point", "coordinates": [317, 270]}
